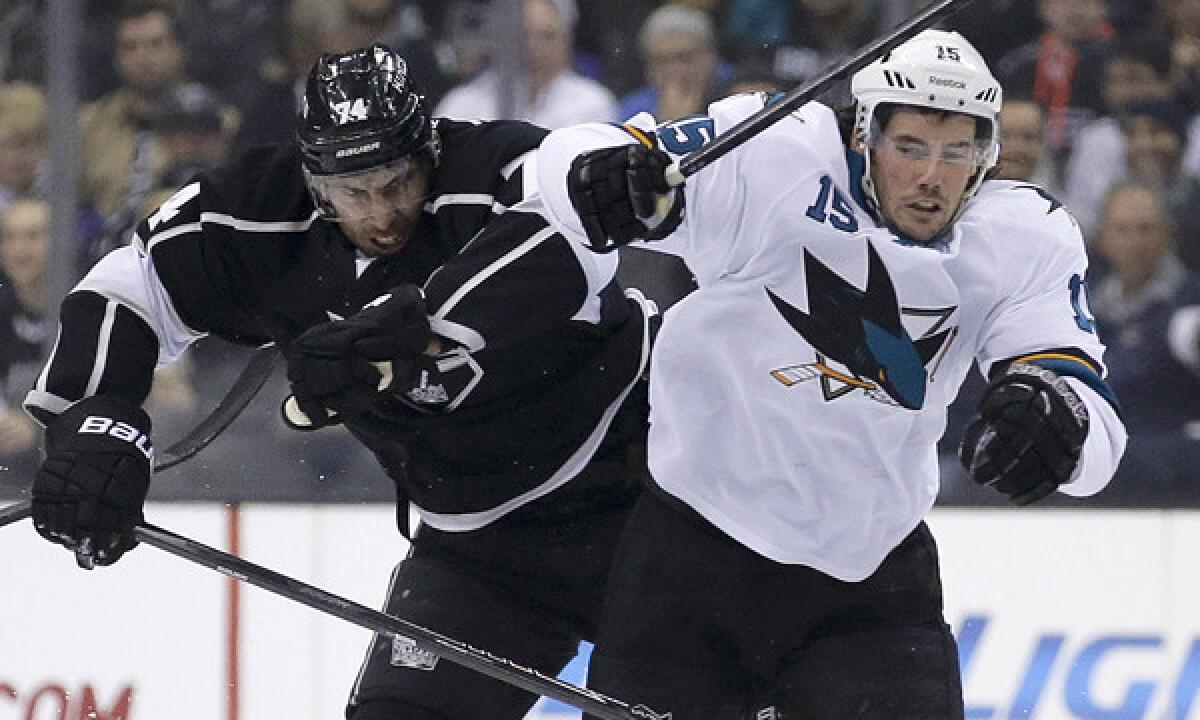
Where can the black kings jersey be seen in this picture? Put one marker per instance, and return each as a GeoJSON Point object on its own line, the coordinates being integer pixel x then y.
{"type": "Point", "coordinates": [541, 346]}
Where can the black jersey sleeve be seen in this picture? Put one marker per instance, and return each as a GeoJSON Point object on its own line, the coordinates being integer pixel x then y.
{"type": "Point", "coordinates": [223, 243]}
{"type": "Point", "coordinates": [201, 263]}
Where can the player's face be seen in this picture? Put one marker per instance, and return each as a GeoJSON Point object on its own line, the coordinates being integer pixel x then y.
{"type": "Point", "coordinates": [921, 166]}
{"type": "Point", "coordinates": [379, 209]}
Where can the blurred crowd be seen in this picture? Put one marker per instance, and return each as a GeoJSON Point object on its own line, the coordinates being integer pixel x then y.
{"type": "Point", "coordinates": [1102, 110]}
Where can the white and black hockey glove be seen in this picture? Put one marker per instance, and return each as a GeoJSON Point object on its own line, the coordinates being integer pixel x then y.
{"type": "Point", "coordinates": [622, 196]}
{"type": "Point", "coordinates": [1028, 436]}
{"type": "Point", "coordinates": [334, 367]}
{"type": "Point", "coordinates": [89, 491]}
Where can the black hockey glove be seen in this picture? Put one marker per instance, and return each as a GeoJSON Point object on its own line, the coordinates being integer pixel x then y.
{"type": "Point", "coordinates": [616, 192]}
{"type": "Point", "coordinates": [89, 491]}
{"type": "Point", "coordinates": [330, 365]}
{"type": "Point", "coordinates": [1028, 436]}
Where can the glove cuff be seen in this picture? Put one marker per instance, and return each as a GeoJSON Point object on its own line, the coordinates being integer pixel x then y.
{"type": "Point", "coordinates": [1053, 382]}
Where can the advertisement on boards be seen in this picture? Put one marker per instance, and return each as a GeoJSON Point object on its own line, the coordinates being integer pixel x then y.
{"type": "Point", "coordinates": [1058, 614]}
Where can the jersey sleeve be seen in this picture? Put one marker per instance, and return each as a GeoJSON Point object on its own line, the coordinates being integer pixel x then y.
{"type": "Point", "coordinates": [518, 284]}
{"type": "Point", "coordinates": [182, 277]}
{"type": "Point", "coordinates": [718, 200]}
{"type": "Point", "coordinates": [559, 150]}
{"type": "Point", "coordinates": [1042, 317]}
{"type": "Point", "coordinates": [515, 279]}
{"type": "Point", "coordinates": [115, 327]}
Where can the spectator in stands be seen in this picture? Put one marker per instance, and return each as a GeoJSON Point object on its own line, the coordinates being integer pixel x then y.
{"type": "Point", "coordinates": [22, 41]}
{"type": "Point", "coordinates": [464, 37]}
{"type": "Point", "coordinates": [196, 130]}
{"type": "Point", "coordinates": [1136, 69]}
{"type": "Point", "coordinates": [800, 38]}
{"type": "Point", "coordinates": [1155, 133]}
{"type": "Point", "coordinates": [122, 156]}
{"type": "Point", "coordinates": [1181, 18]}
{"type": "Point", "coordinates": [226, 41]}
{"type": "Point", "coordinates": [22, 141]}
{"type": "Point", "coordinates": [399, 24]}
{"type": "Point", "coordinates": [754, 75]}
{"type": "Point", "coordinates": [1147, 311]}
{"type": "Point", "coordinates": [270, 118]}
{"type": "Point", "coordinates": [1023, 144]}
{"type": "Point", "coordinates": [550, 93]}
{"type": "Point", "coordinates": [994, 27]}
{"type": "Point", "coordinates": [679, 49]}
{"type": "Point", "coordinates": [1061, 69]}
{"type": "Point", "coordinates": [24, 328]}
{"type": "Point", "coordinates": [606, 39]}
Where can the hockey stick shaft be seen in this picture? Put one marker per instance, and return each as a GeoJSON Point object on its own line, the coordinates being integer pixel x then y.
{"type": "Point", "coordinates": [452, 650]}
{"type": "Point", "coordinates": [15, 512]}
{"type": "Point", "coordinates": [249, 381]}
{"type": "Point", "coordinates": [697, 160]}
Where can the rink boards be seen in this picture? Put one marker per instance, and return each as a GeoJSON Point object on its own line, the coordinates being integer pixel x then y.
{"type": "Point", "coordinates": [1059, 614]}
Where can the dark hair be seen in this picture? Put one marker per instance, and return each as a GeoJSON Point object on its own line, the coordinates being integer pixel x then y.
{"type": "Point", "coordinates": [132, 9]}
{"type": "Point", "coordinates": [1148, 48]}
{"type": "Point", "coordinates": [848, 114]}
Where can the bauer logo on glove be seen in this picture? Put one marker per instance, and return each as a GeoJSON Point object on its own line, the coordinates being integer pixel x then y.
{"type": "Point", "coordinates": [100, 425]}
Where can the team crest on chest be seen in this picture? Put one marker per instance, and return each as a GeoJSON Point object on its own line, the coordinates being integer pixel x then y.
{"type": "Point", "coordinates": [864, 340]}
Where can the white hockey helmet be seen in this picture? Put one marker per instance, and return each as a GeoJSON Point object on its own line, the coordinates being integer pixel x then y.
{"type": "Point", "coordinates": [935, 69]}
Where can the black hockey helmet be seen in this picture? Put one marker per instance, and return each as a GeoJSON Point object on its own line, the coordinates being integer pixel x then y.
{"type": "Point", "coordinates": [362, 109]}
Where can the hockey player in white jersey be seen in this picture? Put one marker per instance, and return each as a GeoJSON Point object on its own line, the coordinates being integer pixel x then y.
{"type": "Point", "coordinates": [849, 275]}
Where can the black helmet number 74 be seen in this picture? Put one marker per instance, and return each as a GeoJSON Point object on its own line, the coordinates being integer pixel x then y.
{"type": "Point", "coordinates": [361, 110]}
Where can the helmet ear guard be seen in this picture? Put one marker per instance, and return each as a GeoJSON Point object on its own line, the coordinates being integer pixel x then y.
{"type": "Point", "coordinates": [937, 70]}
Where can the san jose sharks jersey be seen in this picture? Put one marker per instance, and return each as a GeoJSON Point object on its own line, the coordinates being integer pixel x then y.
{"type": "Point", "coordinates": [542, 347]}
{"type": "Point", "coordinates": [798, 394]}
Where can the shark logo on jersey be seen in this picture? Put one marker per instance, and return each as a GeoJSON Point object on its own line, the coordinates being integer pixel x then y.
{"type": "Point", "coordinates": [1054, 203]}
{"type": "Point", "coordinates": [863, 331]}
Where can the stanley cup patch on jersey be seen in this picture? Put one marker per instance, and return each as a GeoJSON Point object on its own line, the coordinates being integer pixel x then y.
{"type": "Point", "coordinates": [864, 332]}
{"type": "Point", "coordinates": [405, 653]}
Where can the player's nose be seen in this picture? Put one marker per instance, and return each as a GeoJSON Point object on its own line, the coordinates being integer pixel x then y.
{"type": "Point", "coordinates": [929, 173]}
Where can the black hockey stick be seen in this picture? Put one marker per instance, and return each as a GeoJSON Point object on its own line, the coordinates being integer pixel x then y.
{"type": "Point", "coordinates": [244, 388]}
{"type": "Point", "coordinates": [697, 160]}
{"type": "Point", "coordinates": [15, 512]}
{"type": "Point", "coordinates": [455, 651]}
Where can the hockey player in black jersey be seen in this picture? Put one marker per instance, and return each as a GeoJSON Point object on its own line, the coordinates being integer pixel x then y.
{"type": "Point", "coordinates": [423, 302]}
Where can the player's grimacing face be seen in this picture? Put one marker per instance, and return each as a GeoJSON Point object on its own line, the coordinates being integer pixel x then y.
{"type": "Point", "coordinates": [379, 210]}
{"type": "Point", "coordinates": [921, 167]}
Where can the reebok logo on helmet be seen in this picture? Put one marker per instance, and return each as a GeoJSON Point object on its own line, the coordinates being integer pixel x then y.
{"type": "Point", "coordinates": [947, 82]}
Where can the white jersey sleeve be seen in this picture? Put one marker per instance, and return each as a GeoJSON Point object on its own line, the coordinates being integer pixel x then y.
{"type": "Point", "coordinates": [1031, 249]}
{"type": "Point", "coordinates": [712, 236]}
